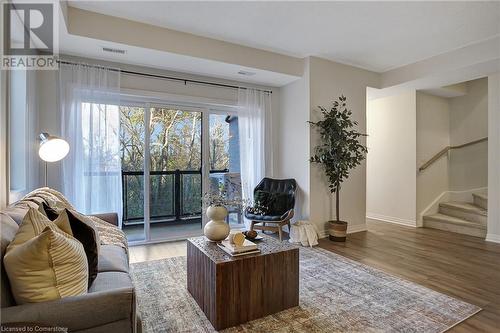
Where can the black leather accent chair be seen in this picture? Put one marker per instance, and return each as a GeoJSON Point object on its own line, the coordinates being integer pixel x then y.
{"type": "Point", "coordinates": [277, 218]}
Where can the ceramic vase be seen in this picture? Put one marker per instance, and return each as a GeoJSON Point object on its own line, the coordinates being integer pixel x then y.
{"type": "Point", "coordinates": [216, 229]}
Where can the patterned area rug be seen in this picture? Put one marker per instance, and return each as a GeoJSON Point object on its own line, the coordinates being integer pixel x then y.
{"type": "Point", "coordinates": [336, 295]}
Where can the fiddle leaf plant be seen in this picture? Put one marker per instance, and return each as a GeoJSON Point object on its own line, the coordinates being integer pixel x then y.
{"type": "Point", "coordinates": [340, 149]}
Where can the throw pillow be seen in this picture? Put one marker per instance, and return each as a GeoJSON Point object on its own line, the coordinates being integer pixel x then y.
{"type": "Point", "coordinates": [34, 223]}
{"type": "Point", "coordinates": [85, 231]}
{"type": "Point", "coordinates": [261, 202]}
{"type": "Point", "coordinates": [261, 197]}
{"type": "Point", "coordinates": [50, 266]}
{"type": "Point", "coordinates": [279, 203]}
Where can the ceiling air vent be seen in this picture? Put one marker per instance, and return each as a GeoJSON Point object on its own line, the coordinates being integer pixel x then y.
{"type": "Point", "coordinates": [109, 49]}
{"type": "Point", "coordinates": [246, 73]}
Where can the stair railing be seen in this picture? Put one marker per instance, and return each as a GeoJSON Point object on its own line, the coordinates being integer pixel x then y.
{"type": "Point", "coordinates": [446, 150]}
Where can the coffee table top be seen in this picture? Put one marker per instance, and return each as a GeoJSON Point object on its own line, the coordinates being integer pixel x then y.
{"type": "Point", "coordinates": [268, 245]}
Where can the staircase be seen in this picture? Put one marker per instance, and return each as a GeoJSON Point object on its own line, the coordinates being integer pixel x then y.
{"type": "Point", "coordinates": [467, 218]}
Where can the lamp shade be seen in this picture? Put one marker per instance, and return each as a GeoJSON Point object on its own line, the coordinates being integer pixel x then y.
{"type": "Point", "coordinates": [52, 148]}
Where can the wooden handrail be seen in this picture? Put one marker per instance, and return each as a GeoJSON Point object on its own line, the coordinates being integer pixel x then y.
{"type": "Point", "coordinates": [445, 151]}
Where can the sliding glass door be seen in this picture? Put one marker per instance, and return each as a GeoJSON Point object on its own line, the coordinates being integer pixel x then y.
{"type": "Point", "coordinates": [224, 161]}
{"type": "Point", "coordinates": [170, 156]}
{"type": "Point", "coordinates": [175, 172]}
{"type": "Point", "coordinates": [132, 143]}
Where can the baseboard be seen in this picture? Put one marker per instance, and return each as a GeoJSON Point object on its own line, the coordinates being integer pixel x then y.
{"type": "Point", "coordinates": [356, 228]}
{"type": "Point", "coordinates": [493, 238]}
{"type": "Point", "coordinates": [391, 219]}
{"type": "Point", "coordinates": [350, 230]}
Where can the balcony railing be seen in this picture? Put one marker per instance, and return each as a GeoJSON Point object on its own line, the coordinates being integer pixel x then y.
{"type": "Point", "coordinates": [175, 195]}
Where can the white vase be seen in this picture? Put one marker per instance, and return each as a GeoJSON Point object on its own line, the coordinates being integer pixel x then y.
{"type": "Point", "coordinates": [216, 229]}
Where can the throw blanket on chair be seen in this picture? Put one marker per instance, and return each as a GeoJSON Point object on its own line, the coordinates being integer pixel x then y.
{"type": "Point", "coordinates": [108, 233]}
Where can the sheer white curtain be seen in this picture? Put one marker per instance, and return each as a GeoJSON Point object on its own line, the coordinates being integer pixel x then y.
{"type": "Point", "coordinates": [255, 134]}
{"type": "Point", "coordinates": [90, 122]}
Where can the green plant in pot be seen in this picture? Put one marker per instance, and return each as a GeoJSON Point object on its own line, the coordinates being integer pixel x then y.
{"type": "Point", "coordinates": [338, 152]}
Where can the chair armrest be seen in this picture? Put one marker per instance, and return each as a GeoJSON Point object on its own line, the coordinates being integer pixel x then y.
{"type": "Point", "coordinates": [111, 218]}
{"type": "Point", "coordinates": [77, 312]}
{"type": "Point", "coordinates": [289, 214]}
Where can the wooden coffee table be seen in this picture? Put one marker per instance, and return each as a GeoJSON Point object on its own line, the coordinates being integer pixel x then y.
{"type": "Point", "coordinates": [234, 290]}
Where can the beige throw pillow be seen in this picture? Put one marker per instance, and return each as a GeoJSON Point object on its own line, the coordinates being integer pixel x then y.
{"type": "Point", "coordinates": [34, 223]}
{"type": "Point", "coordinates": [49, 265]}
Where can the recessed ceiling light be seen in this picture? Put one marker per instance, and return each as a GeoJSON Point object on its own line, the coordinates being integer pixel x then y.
{"type": "Point", "coordinates": [112, 50]}
{"type": "Point", "coordinates": [247, 73]}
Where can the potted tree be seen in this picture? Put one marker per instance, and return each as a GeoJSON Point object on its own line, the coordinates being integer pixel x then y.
{"type": "Point", "coordinates": [339, 151]}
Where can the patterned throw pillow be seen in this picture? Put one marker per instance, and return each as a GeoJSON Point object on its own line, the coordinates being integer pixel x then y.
{"type": "Point", "coordinates": [271, 203]}
{"type": "Point", "coordinates": [49, 266]}
{"type": "Point", "coordinates": [34, 223]}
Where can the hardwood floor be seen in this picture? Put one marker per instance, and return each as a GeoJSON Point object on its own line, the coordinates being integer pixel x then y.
{"type": "Point", "coordinates": [460, 266]}
{"type": "Point", "coordinates": [157, 251]}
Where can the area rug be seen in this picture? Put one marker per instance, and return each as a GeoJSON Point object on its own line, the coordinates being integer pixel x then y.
{"type": "Point", "coordinates": [336, 295]}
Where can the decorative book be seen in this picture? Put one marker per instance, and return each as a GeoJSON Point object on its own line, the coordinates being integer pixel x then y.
{"type": "Point", "coordinates": [234, 249]}
{"type": "Point", "coordinates": [236, 254]}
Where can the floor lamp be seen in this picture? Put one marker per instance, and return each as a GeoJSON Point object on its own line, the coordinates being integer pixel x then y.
{"type": "Point", "coordinates": [52, 149]}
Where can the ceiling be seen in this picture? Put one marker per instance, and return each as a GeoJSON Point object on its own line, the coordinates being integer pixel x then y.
{"type": "Point", "coordinates": [372, 35]}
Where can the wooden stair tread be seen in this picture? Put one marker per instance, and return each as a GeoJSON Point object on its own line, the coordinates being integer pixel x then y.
{"type": "Point", "coordinates": [453, 220]}
{"type": "Point", "coordinates": [483, 196]}
{"type": "Point", "coordinates": [467, 207]}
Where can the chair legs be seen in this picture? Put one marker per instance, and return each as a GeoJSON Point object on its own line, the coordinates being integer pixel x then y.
{"type": "Point", "coordinates": [277, 227]}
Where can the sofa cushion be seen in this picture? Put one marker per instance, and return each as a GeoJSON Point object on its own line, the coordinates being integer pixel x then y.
{"type": "Point", "coordinates": [9, 229]}
{"type": "Point", "coordinates": [110, 300]}
{"type": "Point", "coordinates": [265, 218]}
{"type": "Point", "coordinates": [113, 258]}
{"type": "Point", "coordinates": [18, 210]}
{"type": "Point", "coordinates": [50, 266]}
{"type": "Point", "coordinates": [107, 281]}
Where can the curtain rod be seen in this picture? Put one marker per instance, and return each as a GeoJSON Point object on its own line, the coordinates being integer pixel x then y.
{"type": "Point", "coordinates": [164, 77]}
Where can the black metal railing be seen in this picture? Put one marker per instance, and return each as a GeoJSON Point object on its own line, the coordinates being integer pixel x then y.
{"type": "Point", "coordinates": [174, 195]}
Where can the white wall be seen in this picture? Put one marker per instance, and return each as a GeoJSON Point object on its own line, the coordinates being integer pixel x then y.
{"type": "Point", "coordinates": [391, 183]}
{"type": "Point", "coordinates": [328, 80]}
{"type": "Point", "coordinates": [49, 122]}
{"type": "Point", "coordinates": [293, 138]}
{"type": "Point", "coordinates": [433, 134]}
{"type": "Point", "coordinates": [22, 134]}
{"type": "Point", "coordinates": [494, 158]}
{"type": "Point", "coordinates": [469, 122]}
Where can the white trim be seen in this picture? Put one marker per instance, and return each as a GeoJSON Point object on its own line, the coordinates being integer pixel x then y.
{"type": "Point", "coordinates": [147, 177]}
{"type": "Point", "coordinates": [391, 219]}
{"type": "Point", "coordinates": [493, 238]}
{"type": "Point", "coordinates": [205, 164]}
{"type": "Point", "coordinates": [433, 207]}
